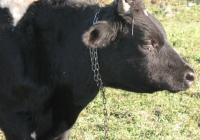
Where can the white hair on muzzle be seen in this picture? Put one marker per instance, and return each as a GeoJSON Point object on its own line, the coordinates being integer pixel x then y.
{"type": "Point", "coordinates": [17, 8]}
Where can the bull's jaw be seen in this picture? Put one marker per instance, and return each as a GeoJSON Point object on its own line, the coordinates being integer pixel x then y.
{"type": "Point", "coordinates": [17, 8]}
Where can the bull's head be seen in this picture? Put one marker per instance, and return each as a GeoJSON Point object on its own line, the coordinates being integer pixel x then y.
{"type": "Point", "coordinates": [142, 62]}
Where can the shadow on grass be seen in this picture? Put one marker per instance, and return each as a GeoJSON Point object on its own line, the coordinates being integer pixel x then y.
{"type": "Point", "coordinates": [195, 95]}
{"type": "Point", "coordinates": [198, 60]}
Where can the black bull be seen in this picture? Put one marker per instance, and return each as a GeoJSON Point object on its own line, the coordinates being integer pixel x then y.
{"type": "Point", "coordinates": [45, 69]}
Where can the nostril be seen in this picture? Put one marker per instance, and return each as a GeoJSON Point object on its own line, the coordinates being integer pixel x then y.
{"type": "Point", "coordinates": [190, 78]}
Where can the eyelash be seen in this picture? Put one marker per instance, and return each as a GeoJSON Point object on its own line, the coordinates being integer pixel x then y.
{"type": "Point", "coordinates": [148, 44]}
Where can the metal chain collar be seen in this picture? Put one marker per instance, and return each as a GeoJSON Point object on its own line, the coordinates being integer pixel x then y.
{"type": "Point", "coordinates": [97, 78]}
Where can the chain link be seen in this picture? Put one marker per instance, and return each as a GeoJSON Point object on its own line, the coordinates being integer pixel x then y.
{"type": "Point", "coordinates": [98, 80]}
{"type": "Point", "coordinates": [96, 16]}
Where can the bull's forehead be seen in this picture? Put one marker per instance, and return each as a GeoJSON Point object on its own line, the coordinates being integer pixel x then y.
{"type": "Point", "coordinates": [17, 8]}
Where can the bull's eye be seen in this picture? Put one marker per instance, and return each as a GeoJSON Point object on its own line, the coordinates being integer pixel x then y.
{"type": "Point", "coordinates": [146, 44]}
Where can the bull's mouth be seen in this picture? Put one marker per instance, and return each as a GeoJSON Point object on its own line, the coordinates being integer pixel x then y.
{"type": "Point", "coordinates": [178, 90]}
{"type": "Point", "coordinates": [151, 89]}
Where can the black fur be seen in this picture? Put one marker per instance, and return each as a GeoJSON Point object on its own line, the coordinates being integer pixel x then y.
{"type": "Point", "coordinates": [45, 70]}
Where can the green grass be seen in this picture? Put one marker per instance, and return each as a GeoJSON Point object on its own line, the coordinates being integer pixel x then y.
{"type": "Point", "coordinates": [160, 116]}
{"type": "Point", "coordinates": [134, 116]}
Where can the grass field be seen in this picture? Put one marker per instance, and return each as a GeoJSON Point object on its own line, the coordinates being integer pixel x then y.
{"type": "Point", "coordinates": [160, 116]}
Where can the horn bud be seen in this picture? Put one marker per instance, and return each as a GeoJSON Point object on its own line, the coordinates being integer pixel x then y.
{"type": "Point", "coordinates": [124, 8]}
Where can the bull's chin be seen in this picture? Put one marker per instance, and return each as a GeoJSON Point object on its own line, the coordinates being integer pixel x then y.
{"type": "Point", "coordinates": [172, 89]}
{"type": "Point", "coordinates": [152, 90]}
{"type": "Point", "coordinates": [176, 91]}
{"type": "Point", "coordinates": [142, 90]}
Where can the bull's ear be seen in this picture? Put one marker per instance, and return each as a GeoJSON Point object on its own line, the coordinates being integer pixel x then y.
{"type": "Point", "coordinates": [99, 35]}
